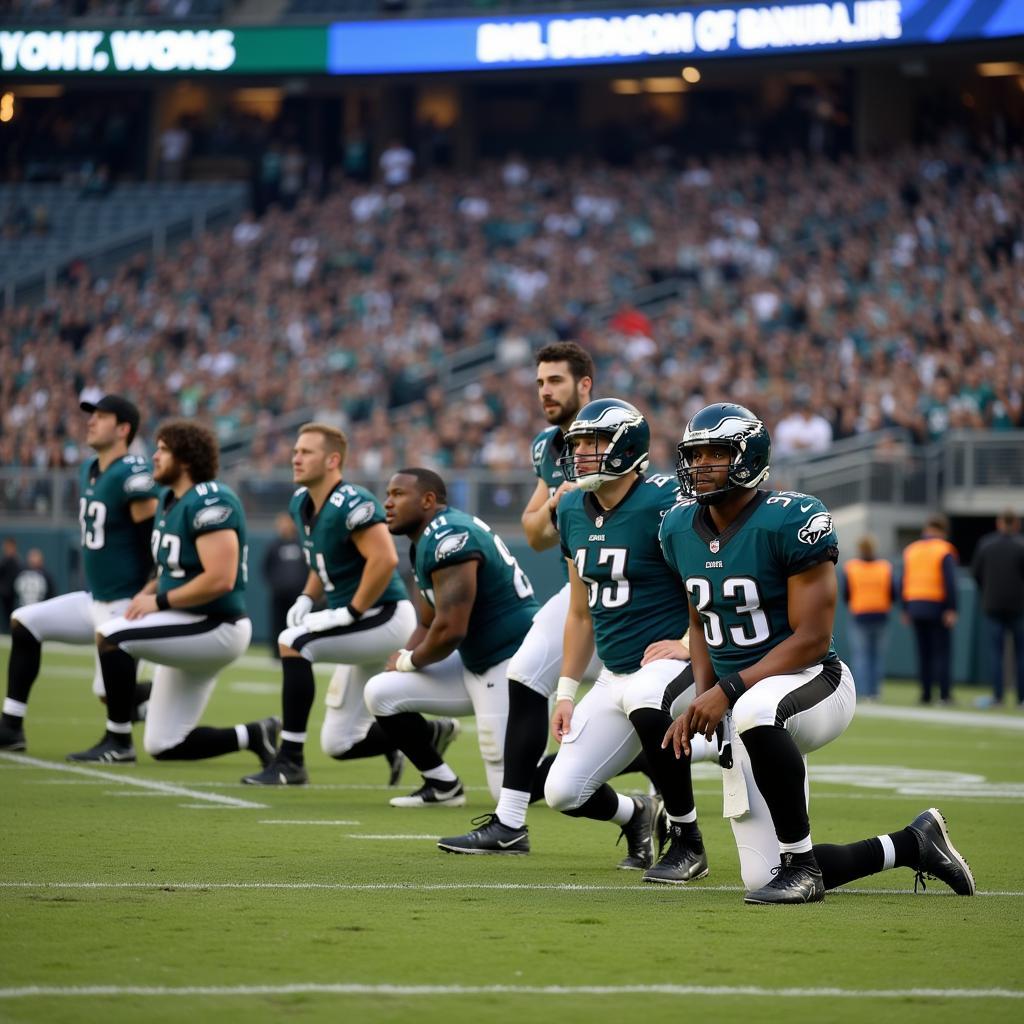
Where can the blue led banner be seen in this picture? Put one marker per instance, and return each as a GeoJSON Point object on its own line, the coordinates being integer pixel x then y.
{"type": "Point", "coordinates": [618, 37]}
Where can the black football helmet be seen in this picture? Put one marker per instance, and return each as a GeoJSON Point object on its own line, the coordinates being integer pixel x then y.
{"type": "Point", "coordinates": [628, 446]}
{"type": "Point", "coordinates": [740, 430]}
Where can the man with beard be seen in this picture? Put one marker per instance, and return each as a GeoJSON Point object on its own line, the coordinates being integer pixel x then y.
{"type": "Point", "coordinates": [190, 621]}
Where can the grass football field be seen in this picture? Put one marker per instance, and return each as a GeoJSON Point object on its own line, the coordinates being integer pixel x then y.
{"type": "Point", "coordinates": [169, 892]}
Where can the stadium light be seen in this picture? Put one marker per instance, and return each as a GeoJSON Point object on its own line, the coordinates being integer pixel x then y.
{"type": "Point", "coordinates": [7, 107]}
{"type": "Point", "coordinates": [1001, 69]}
{"type": "Point", "coordinates": [691, 75]}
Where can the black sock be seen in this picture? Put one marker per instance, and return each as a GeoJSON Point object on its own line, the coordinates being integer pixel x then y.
{"type": "Point", "coordinates": [143, 691]}
{"type": "Point", "coordinates": [780, 774]}
{"type": "Point", "coordinates": [842, 864]}
{"type": "Point", "coordinates": [671, 776]}
{"type": "Point", "coordinates": [298, 688]}
{"type": "Point", "coordinates": [119, 683]}
{"type": "Point", "coordinates": [540, 776]}
{"type": "Point", "coordinates": [22, 667]}
{"type": "Point", "coordinates": [200, 743]}
{"type": "Point", "coordinates": [526, 735]}
{"type": "Point", "coordinates": [411, 733]}
{"type": "Point", "coordinates": [691, 834]}
{"type": "Point", "coordinates": [375, 742]}
{"type": "Point", "coordinates": [601, 806]}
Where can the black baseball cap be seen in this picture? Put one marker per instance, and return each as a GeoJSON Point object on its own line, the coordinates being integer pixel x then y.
{"type": "Point", "coordinates": [125, 411]}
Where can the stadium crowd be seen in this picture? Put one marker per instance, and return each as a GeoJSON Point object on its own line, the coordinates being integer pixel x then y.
{"type": "Point", "coordinates": [835, 298]}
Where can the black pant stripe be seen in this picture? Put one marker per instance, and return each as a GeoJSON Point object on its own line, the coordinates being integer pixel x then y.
{"type": "Point", "coordinates": [165, 632]}
{"type": "Point", "coordinates": [359, 626]}
{"type": "Point", "coordinates": [682, 682]}
{"type": "Point", "coordinates": [812, 693]}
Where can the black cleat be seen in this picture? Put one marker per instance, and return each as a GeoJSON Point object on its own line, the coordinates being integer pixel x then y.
{"type": "Point", "coordinates": [12, 738]}
{"type": "Point", "coordinates": [279, 772]}
{"type": "Point", "coordinates": [445, 731]}
{"type": "Point", "coordinates": [639, 832]}
{"type": "Point", "coordinates": [491, 836]}
{"type": "Point", "coordinates": [797, 880]}
{"type": "Point", "coordinates": [939, 857]}
{"type": "Point", "coordinates": [263, 738]}
{"type": "Point", "coordinates": [141, 701]}
{"type": "Point", "coordinates": [433, 794]}
{"type": "Point", "coordinates": [396, 765]}
{"type": "Point", "coordinates": [107, 751]}
{"type": "Point", "coordinates": [680, 863]}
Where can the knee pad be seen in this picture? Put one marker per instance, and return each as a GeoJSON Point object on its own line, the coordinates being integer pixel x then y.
{"type": "Point", "coordinates": [749, 713]}
{"type": "Point", "coordinates": [558, 796]}
{"type": "Point", "coordinates": [375, 695]}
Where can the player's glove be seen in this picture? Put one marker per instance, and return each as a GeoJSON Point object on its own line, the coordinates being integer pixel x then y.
{"type": "Point", "coordinates": [299, 610]}
{"type": "Point", "coordinates": [331, 618]}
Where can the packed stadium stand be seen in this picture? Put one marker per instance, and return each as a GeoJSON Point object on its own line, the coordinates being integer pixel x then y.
{"type": "Point", "coordinates": [873, 292]}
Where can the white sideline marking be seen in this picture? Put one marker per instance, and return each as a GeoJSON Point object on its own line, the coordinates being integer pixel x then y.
{"type": "Point", "coordinates": [942, 716]}
{"type": "Point", "coordinates": [288, 821]}
{"type": "Point", "coordinates": [167, 788]}
{"type": "Point", "coordinates": [465, 886]}
{"type": "Point", "coordinates": [351, 835]}
{"type": "Point", "coordinates": [254, 687]}
{"type": "Point", "coordinates": [755, 991]}
{"type": "Point", "coordinates": [122, 793]}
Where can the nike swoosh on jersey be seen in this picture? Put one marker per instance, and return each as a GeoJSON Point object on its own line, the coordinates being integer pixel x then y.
{"type": "Point", "coordinates": [804, 508]}
{"type": "Point", "coordinates": [211, 501]}
{"type": "Point", "coordinates": [443, 533]}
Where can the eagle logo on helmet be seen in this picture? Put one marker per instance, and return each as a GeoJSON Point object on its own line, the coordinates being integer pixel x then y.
{"type": "Point", "coordinates": [730, 428]}
{"type": "Point", "coordinates": [451, 545]}
{"type": "Point", "coordinates": [818, 526]}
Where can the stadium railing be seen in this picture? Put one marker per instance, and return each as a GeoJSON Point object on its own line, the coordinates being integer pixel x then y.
{"type": "Point", "coordinates": [969, 472]}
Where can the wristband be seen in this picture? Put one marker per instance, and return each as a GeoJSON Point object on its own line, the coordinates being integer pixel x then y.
{"type": "Point", "coordinates": [163, 601]}
{"type": "Point", "coordinates": [356, 615]}
{"type": "Point", "coordinates": [405, 662]}
{"type": "Point", "coordinates": [733, 687]}
{"type": "Point", "coordinates": [567, 687]}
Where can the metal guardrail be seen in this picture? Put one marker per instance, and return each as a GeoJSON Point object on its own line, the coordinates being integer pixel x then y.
{"type": "Point", "coordinates": [873, 469]}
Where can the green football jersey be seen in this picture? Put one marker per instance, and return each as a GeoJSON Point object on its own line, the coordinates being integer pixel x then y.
{"type": "Point", "coordinates": [737, 580]}
{"type": "Point", "coordinates": [204, 508]}
{"type": "Point", "coordinates": [327, 541]}
{"type": "Point", "coordinates": [504, 608]}
{"type": "Point", "coordinates": [115, 552]}
{"type": "Point", "coordinates": [634, 597]}
{"type": "Point", "coordinates": [545, 451]}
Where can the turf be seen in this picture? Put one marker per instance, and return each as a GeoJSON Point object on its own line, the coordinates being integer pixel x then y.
{"type": "Point", "coordinates": [105, 885]}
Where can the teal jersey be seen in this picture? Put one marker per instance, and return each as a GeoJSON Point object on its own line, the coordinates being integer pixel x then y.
{"type": "Point", "coordinates": [327, 541]}
{"type": "Point", "coordinates": [204, 508]}
{"type": "Point", "coordinates": [545, 451]}
{"type": "Point", "coordinates": [504, 608]}
{"type": "Point", "coordinates": [115, 552]}
{"type": "Point", "coordinates": [634, 597]}
{"type": "Point", "coordinates": [737, 580]}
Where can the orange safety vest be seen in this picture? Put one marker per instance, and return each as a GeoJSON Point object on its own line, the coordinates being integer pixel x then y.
{"type": "Point", "coordinates": [870, 586]}
{"type": "Point", "coordinates": [922, 569]}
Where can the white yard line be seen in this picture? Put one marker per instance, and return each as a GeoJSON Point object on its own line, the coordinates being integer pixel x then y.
{"type": "Point", "coordinates": [463, 886]}
{"type": "Point", "coordinates": [290, 821]}
{"type": "Point", "coordinates": [111, 777]}
{"type": "Point", "coordinates": [433, 836]}
{"type": "Point", "coordinates": [353, 989]}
